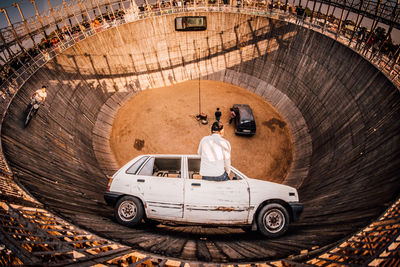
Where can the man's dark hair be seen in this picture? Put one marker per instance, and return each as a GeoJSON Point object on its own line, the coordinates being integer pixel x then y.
{"type": "Point", "coordinates": [216, 127]}
{"type": "Point", "coordinates": [44, 86]}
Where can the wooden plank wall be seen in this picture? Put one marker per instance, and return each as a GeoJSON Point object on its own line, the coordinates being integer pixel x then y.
{"type": "Point", "coordinates": [344, 113]}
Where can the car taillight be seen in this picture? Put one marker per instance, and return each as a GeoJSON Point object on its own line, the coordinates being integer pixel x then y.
{"type": "Point", "coordinates": [109, 183]}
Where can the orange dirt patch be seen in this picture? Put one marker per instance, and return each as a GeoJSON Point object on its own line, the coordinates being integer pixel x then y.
{"type": "Point", "coordinates": [162, 121]}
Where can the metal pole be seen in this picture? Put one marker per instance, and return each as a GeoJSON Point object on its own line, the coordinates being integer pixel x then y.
{"type": "Point", "coordinates": [81, 27]}
{"type": "Point", "coordinates": [348, 11]}
{"type": "Point", "coordinates": [39, 18]}
{"type": "Point", "coordinates": [357, 25]}
{"type": "Point", "coordinates": [112, 10]}
{"type": "Point", "coordinates": [68, 30]}
{"type": "Point", "coordinates": [199, 86]}
{"type": "Point", "coordinates": [52, 14]}
{"type": "Point", "coordinates": [3, 10]}
{"type": "Point", "coordinates": [54, 30]}
{"type": "Point", "coordinates": [375, 23]}
{"type": "Point", "coordinates": [88, 14]}
{"type": "Point", "coordinates": [24, 21]}
{"type": "Point", "coordinates": [375, 16]}
{"type": "Point", "coordinates": [10, 53]}
{"type": "Point", "coordinates": [37, 28]}
{"type": "Point", "coordinates": [318, 13]}
{"type": "Point", "coordinates": [67, 10]}
{"type": "Point", "coordinates": [327, 15]}
{"type": "Point", "coordinates": [312, 13]}
{"type": "Point", "coordinates": [94, 8]}
{"type": "Point", "coordinates": [305, 14]}
{"type": "Point", "coordinates": [394, 17]}
{"type": "Point", "coordinates": [340, 20]}
{"type": "Point", "coordinates": [26, 26]}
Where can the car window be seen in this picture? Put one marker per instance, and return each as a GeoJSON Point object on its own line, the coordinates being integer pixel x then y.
{"type": "Point", "coordinates": [234, 175]}
{"type": "Point", "coordinates": [135, 166]}
{"type": "Point", "coordinates": [194, 169]}
{"type": "Point", "coordinates": [147, 169]}
{"type": "Point", "coordinates": [167, 167]}
{"type": "Point", "coordinates": [191, 23]}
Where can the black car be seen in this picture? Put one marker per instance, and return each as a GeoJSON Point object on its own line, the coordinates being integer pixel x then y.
{"type": "Point", "coordinates": [191, 23]}
{"type": "Point", "coordinates": [244, 120]}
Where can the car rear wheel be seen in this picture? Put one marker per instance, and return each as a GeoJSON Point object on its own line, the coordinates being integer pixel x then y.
{"type": "Point", "coordinates": [129, 211]}
{"type": "Point", "coordinates": [273, 220]}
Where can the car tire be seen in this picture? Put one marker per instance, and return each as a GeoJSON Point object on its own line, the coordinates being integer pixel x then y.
{"type": "Point", "coordinates": [273, 220]}
{"type": "Point", "coordinates": [129, 211]}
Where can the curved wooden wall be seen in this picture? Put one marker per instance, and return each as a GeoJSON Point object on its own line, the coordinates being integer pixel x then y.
{"type": "Point", "coordinates": [350, 109]}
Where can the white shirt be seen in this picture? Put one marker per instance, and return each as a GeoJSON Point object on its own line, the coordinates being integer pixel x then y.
{"type": "Point", "coordinates": [40, 96]}
{"type": "Point", "coordinates": [215, 152]}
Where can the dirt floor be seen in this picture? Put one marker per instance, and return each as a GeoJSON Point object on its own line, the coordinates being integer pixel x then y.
{"type": "Point", "coordinates": [162, 121]}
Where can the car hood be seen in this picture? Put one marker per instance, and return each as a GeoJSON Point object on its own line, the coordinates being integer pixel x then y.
{"type": "Point", "coordinates": [262, 189]}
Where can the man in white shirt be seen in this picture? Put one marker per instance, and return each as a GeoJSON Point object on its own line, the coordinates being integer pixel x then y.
{"type": "Point", "coordinates": [38, 97]}
{"type": "Point", "coordinates": [215, 152]}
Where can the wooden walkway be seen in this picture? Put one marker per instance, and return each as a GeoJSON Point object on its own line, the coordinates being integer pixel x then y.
{"type": "Point", "coordinates": [31, 235]}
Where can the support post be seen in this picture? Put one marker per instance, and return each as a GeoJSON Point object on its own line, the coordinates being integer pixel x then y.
{"type": "Point", "coordinates": [3, 10]}
{"type": "Point", "coordinates": [25, 23]}
{"type": "Point", "coordinates": [340, 20]}
{"type": "Point", "coordinates": [52, 14]}
{"type": "Point", "coordinates": [39, 17]}
{"type": "Point", "coordinates": [112, 10]}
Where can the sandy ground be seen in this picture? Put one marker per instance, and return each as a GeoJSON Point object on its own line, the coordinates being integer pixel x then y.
{"type": "Point", "coordinates": [162, 121]}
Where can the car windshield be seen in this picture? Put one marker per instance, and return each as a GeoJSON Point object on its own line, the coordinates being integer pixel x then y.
{"type": "Point", "coordinates": [246, 115]}
{"type": "Point", "coordinates": [195, 21]}
{"type": "Point", "coordinates": [136, 165]}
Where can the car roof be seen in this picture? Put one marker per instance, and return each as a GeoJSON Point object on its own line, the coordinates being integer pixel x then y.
{"type": "Point", "coordinates": [245, 111]}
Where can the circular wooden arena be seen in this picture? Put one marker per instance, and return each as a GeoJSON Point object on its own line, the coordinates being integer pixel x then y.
{"type": "Point", "coordinates": [328, 124]}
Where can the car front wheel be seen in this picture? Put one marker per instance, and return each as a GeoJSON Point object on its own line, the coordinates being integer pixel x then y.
{"type": "Point", "coordinates": [273, 220]}
{"type": "Point", "coordinates": [129, 211]}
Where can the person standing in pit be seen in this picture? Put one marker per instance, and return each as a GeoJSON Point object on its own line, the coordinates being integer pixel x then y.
{"type": "Point", "coordinates": [218, 115]}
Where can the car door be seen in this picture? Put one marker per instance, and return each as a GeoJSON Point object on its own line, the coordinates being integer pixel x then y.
{"type": "Point", "coordinates": [163, 187]}
{"type": "Point", "coordinates": [126, 179]}
{"type": "Point", "coordinates": [215, 202]}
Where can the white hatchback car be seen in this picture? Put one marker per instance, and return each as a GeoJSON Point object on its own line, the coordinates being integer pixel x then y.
{"type": "Point", "coordinates": [169, 188]}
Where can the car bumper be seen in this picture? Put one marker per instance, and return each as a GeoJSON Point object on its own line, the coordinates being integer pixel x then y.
{"type": "Point", "coordinates": [250, 133]}
{"type": "Point", "coordinates": [297, 209]}
{"type": "Point", "coordinates": [111, 198]}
